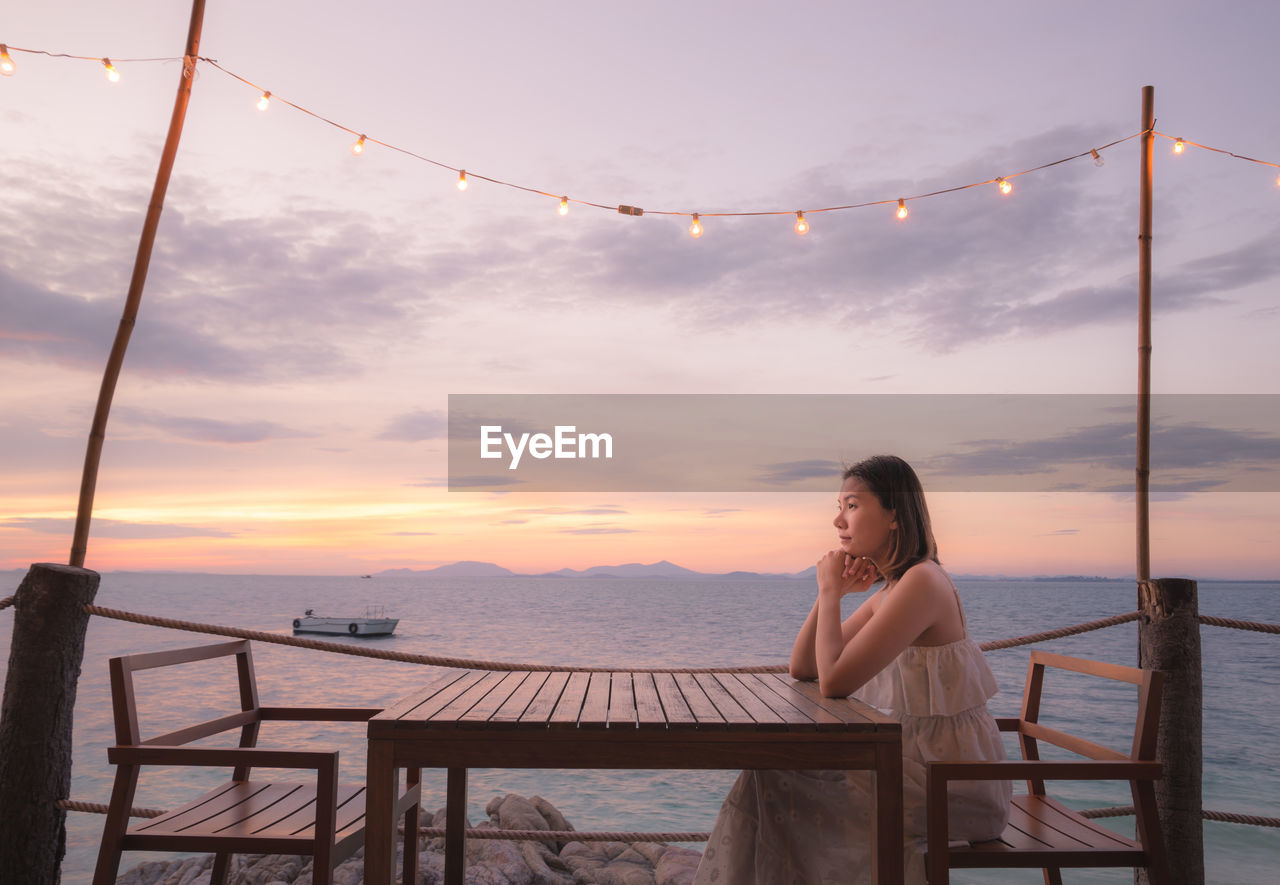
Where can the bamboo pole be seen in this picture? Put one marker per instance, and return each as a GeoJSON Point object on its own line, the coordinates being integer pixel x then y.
{"type": "Point", "coordinates": [1143, 472]}
{"type": "Point", "coordinates": [98, 430]}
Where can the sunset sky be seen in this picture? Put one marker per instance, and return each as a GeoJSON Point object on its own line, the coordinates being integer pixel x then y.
{"type": "Point", "coordinates": [283, 404]}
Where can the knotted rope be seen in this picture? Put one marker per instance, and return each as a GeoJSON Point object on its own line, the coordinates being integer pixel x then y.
{"type": "Point", "coordinates": [6, 602]}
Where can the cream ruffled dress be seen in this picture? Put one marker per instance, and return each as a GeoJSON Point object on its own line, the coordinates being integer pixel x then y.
{"type": "Point", "coordinates": [814, 827]}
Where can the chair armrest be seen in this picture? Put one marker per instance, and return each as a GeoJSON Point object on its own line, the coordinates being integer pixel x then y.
{"type": "Point", "coordinates": [217, 756]}
{"type": "Point", "coordinates": [319, 714]}
{"type": "Point", "coordinates": [1043, 769]}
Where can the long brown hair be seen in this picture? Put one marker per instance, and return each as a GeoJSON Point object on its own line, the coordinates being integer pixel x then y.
{"type": "Point", "coordinates": [898, 490]}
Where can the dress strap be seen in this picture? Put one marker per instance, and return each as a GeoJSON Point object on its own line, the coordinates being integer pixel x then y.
{"type": "Point", "coordinates": [959, 605]}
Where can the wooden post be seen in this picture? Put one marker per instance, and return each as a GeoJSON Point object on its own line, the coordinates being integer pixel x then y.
{"type": "Point", "coordinates": [98, 429]}
{"type": "Point", "coordinates": [1169, 640]}
{"type": "Point", "coordinates": [1142, 477]}
{"type": "Point", "coordinates": [49, 623]}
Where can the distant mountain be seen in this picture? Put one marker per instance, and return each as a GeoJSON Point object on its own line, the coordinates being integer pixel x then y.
{"type": "Point", "coordinates": [661, 569]}
{"type": "Point", "coordinates": [465, 569]}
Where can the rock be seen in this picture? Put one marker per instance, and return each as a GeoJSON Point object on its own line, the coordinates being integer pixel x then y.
{"type": "Point", "coordinates": [489, 861]}
{"type": "Point", "coordinates": [607, 863]}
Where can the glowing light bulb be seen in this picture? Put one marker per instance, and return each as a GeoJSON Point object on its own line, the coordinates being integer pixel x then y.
{"type": "Point", "coordinates": [1097, 157]}
{"type": "Point", "coordinates": [112, 74]}
{"type": "Point", "coordinates": [462, 179]}
{"type": "Point", "coordinates": [265, 101]}
{"type": "Point", "coordinates": [1178, 146]}
{"type": "Point", "coordinates": [695, 229]}
{"type": "Point", "coordinates": [802, 226]}
{"type": "Point", "coordinates": [564, 205]}
{"type": "Point", "coordinates": [357, 147]}
{"type": "Point", "coordinates": [6, 63]}
{"type": "Point", "coordinates": [902, 209]}
{"type": "Point", "coordinates": [1006, 186]}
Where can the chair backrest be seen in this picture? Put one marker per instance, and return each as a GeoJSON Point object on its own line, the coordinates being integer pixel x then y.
{"type": "Point", "coordinates": [1149, 683]}
{"type": "Point", "coordinates": [124, 700]}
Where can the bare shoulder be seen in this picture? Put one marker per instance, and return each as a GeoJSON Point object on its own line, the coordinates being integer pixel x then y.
{"type": "Point", "coordinates": [924, 581]}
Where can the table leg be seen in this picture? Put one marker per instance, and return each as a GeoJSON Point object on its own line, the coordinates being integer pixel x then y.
{"type": "Point", "coordinates": [379, 824]}
{"type": "Point", "coordinates": [887, 832]}
{"type": "Point", "coordinates": [455, 828]}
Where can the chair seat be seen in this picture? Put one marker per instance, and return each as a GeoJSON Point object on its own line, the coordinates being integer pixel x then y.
{"type": "Point", "coordinates": [261, 816]}
{"type": "Point", "coordinates": [1044, 832]}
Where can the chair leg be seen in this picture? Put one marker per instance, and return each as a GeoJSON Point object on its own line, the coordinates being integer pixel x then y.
{"type": "Point", "coordinates": [1052, 876]}
{"type": "Point", "coordinates": [113, 831]}
{"type": "Point", "coordinates": [221, 864]}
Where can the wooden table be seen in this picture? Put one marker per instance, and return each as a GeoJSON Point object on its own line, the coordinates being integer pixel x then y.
{"type": "Point", "coordinates": [521, 719]}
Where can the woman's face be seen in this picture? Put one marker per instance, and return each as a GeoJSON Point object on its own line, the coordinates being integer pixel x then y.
{"type": "Point", "coordinates": [862, 524]}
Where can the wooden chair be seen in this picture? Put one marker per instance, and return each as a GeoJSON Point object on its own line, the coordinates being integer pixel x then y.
{"type": "Point", "coordinates": [1042, 832]}
{"type": "Point", "coordinates": [320, 817]}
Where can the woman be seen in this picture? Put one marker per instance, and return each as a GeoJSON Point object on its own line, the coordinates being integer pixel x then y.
{"type": "Point", "coordinates": [905, 650]}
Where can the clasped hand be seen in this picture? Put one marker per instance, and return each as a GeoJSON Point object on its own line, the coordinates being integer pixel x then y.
{"type": "Point", "coordinates": [838, 572]}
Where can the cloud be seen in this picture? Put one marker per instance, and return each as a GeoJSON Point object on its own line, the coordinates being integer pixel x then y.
{"type": "Point", "coordinates": [598, 530]}
{"type": "Point", "coordinates": [786, 472]}
{"type": "Point", "coordinates": [1176, 449]}
{"type": "Point", "coordinates": [410, 534]}
{"type": "Point", "coordinates": [417, 426]}
{"type": "Point", "coordinates": [601, 510]}
{"type": "Point", "coordinates": [208, 430]}
{"type": "Point", "coordinates": [115, 528]}
{"type": "Point", "coordinates": [479, 482]}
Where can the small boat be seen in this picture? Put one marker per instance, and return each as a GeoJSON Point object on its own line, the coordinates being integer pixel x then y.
{"type": "Point", "coordinates": [373, 623]}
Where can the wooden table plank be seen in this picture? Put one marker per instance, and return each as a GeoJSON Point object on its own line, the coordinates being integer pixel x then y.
{"type": "Point", "coordinates": [622, 701]}
{"type": "Point", "coordinates": [442, 698]}
{"type": "Point", "coordinates": [840, 707]}
{"type": "Point", "coordinates": [649, 713]}
{"type": "Point", "coordinates": [513, 709]}
{"type": "Point", "coordinates": [451, 712]}
{"type": "Point", "coordinates": [595, 707]}
{"type": "Point", "coordinates": [484, 709]}
{"type": "Point", "coordinates": [730, 709]}
{"type": "Point", "coordinates": [760, 711]}
{"type": "Point", "coordinates": [407, 704]}
{"type": "Point", "coordinates": [674, 706]}
{"type": "Point", "coordinates": [569, 708]}
{"type": "Point", "coordinates": [792, 706]}
{"type": "Point", "coordinates": [544, 702]}
{"type": "Point", "coordinates": [704, 712]}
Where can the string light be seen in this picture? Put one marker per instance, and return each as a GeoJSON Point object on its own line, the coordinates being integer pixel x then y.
{"type": "Point", "coordinates": [1005, 185]}
{"type": "Point", "coordinates": [695, 228]}
{"type": "Point", "coordinates": [7, 68]}
{"type": "Point", "coordinates": [564, 205]}
{"type": "Point", "coordinates": [265, 101]}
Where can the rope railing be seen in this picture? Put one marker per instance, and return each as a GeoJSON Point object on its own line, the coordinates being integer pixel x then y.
{"type": "Point", "coordinates": [612, 836]}
{"type": "Point", "coordinates": [399, 656]}
{"type": "Point", "coordinates": [997, 644]}
{"type": "Point", "coordinates": [1256, 626]}
{"type": "Point", "coordinates": [1205, 814]}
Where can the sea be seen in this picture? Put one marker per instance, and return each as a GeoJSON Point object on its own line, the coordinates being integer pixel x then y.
{"type": "Point", "coordinates": [633, 622]}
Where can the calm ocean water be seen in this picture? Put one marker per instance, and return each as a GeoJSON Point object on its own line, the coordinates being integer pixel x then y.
{"type": "Point", "coordinates": [621, 622]}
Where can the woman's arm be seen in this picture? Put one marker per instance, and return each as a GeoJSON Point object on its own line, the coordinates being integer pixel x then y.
{"type": "Point", "coordinates": [856, 577]}
{"type": "Point", "coordinates": [916, 602]}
